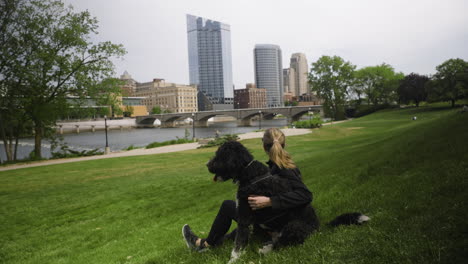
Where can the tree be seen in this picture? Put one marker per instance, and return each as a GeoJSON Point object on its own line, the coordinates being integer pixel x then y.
{"type": "Point", "coordinates": [378, 83]}
{"type": "Point", "coordinates": [450, 81]}
{"type": "Point", "coordinates": [156, 110]}
{"type": "Point", "coordinates": [108, 93]}
{"type": "Point", "coordinates": [412, 89]}
{"type": "Point", "coordinates": [47, 56]}
{"type": "Point", "coordinates": [291, 103]}
{"type": "Point", "coordinates": [331, 78]}
{"type": "Point", "coordinates": [129, 110]}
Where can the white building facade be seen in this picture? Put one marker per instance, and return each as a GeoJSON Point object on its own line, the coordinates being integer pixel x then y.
{"type": "Point", "coordinates": [269, 72]}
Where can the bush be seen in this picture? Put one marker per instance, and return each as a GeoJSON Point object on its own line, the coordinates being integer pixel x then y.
{"type": "Point", "coordinates": [221, 140]}
{"type": "Point", "coordinates": [170, 142]}
{"type": "Point", "coordinates": [69, 153]}
{"type": "Point", "coordinates": [312, 123]}
{"type": "Point", "coordinates": [362, 110]}
{"type": "Point", "coordinates": [132, 147]}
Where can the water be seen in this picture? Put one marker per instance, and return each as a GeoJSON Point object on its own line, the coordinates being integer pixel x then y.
{"type": "Point", "coordinates": [138, 137]}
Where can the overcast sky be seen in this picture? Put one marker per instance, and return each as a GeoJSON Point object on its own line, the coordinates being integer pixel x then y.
{"type": "Point", "coordinates": [410, 35]}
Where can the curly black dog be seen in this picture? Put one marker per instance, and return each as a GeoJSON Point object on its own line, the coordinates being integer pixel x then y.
{"type": "Point", "coordinates": [289, 227]}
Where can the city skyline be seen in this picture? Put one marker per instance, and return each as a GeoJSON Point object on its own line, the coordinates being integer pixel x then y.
{"type": "Point", "coordinates": [411, 36]}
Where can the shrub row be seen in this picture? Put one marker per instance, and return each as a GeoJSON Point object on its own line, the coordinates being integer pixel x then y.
{"type": "Point", "coordinates": [170, 142]}
{"type": "Point", "coordinates": [312, 123]}
{"type": "Point", "coordinates": [220, 140]}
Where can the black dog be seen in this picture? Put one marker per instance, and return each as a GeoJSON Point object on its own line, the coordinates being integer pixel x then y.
{"type": "Point", "coordinates": [289, 227]}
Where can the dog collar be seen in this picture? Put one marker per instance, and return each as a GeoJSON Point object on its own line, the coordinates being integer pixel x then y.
{"type": "Point", "coordinates": [249, 164]}
{"type": "Point", "coordinates": [268, 175]}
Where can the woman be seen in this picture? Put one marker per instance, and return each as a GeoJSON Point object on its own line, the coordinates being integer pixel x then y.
{"type": "Point", "coordinates": [280, 163]}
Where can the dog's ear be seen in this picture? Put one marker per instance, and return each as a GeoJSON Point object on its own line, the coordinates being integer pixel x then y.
{"type": "Point", "coordinates": [230, 158]}
{"type": "Point", "coordinates": [236, 155]}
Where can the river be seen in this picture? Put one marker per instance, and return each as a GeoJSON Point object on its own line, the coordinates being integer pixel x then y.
{"type": "Point", "coordinates": [138, 137]}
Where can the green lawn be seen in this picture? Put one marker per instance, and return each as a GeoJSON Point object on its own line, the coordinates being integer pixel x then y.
{"type": "Point", "coordinates": [409, 176]}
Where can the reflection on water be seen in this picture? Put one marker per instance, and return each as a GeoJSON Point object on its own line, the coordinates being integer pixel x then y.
{"type": "Point", "coordinates": [140, 137]}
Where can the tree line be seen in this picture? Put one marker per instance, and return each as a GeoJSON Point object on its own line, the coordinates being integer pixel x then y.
{"type": "Point", "coordinates": [340, 84]}
{"type": "Point", "coordinates": [47, 54]}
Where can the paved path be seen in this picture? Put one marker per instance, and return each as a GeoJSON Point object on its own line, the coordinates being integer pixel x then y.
{"type": "Point", "coordinates": [137, 152]}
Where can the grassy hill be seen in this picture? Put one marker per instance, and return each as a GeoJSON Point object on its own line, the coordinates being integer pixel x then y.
{"type": "Point", "coordinates": [409, 176]}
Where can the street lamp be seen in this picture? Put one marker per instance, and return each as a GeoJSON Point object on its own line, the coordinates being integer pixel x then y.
{"type": "Point", "coordinates": [193, 126]}
{"type": "Point", "coordinates": [259, 120]}
{"type": "Point", "coordinates": [107, 149]}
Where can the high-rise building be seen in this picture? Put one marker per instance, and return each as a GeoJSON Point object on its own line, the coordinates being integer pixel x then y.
{"type": "Point", "coordinates": [210, 62]}
{"type": "Point", "coordinates": [298, 83]}
{"type": "Point", "coordinates": [269, 72]}
{"type": "Point", "coordinates": [286, 80]}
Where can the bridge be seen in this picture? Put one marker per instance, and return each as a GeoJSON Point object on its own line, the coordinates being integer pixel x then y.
{"type": "Point", "coordinates": [243, 116]}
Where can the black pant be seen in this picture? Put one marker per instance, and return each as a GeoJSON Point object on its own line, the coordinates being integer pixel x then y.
{"type": "Point", "coordinates": [222, 223]}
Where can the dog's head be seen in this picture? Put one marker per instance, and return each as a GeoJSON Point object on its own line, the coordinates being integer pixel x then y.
{"type": "Point", "coordinates": [229, 161]}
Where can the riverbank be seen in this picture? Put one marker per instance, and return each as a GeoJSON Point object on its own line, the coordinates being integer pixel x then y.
{"type": "Point", "coordinates": [143, 151]}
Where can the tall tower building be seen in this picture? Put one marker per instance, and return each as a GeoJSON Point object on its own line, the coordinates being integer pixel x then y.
{"type": "Point", "coordinates": [269, 72]}
{"type": "Point", "coordinates": [210, 62]}
{"type": "Point", "coordinates": [298, 71]}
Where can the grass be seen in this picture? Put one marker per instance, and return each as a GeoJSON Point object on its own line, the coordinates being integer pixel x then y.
{"type": "Point", "coordinates": [409, 176]}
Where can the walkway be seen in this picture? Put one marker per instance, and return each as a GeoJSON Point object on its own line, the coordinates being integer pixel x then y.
{"type": "Point", "coordinates": [138, 152]}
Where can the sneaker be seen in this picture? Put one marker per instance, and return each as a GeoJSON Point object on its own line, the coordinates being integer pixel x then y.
{"type": "Point", "coordinates": [189, 236]}
{"type": "Point", "coordinates": [191, 239]}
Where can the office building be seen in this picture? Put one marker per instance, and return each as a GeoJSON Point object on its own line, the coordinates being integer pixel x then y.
{"type": "Point", "coordinates": [269, 72]}
{"type": "Point", "coordinates": [298, 71]}
{"type": "Point", "coordinates": [129, 84]}
{"type": "Point", "coordinates": [171, 97]}
{"type": "Point", "coordinates": [250, 97]}
{"type": "Point", "coordinates": [210, 62]}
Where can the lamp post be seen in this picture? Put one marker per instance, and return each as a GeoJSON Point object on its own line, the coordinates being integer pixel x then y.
{"type": "Point", "coordinates": [259, 120]}
{"type": "Point", "coordinates": [193, 126]}
{"type": "Point", "coordinates": [107, 149]}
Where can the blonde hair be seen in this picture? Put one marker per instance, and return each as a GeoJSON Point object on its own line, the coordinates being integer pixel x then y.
{"type": "Point", "coordinates": [273, 144]}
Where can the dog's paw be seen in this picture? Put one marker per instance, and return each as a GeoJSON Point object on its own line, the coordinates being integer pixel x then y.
{"type": "Point", "coordinates": [235, 255]}
{"type": "Point", "coordinates": [265, 249]}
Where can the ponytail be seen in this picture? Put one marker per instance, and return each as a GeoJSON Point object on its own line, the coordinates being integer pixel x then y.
{"type": "Point", "coordinates": [273, 144]}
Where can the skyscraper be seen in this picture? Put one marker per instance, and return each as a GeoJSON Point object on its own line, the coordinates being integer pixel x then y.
{"type": "Point", "coordinates": [210, 62]}
{"type": "Point", "coordinates": [269, 72]}
{"type": "Point", "coordinates": [298, 71]}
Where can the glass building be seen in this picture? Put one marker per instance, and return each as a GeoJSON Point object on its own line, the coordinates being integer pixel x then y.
{"type": "Point", "coordinates": [269, 72]}
{"type": "Point", "coordinates": [210, 62]}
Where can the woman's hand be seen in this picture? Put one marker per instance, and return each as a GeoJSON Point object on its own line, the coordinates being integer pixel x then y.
{"type": "Point", "coordinates": [259, 202]}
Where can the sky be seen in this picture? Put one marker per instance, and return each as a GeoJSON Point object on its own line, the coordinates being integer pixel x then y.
{"type": "Point", "coordinates": [410, 35]}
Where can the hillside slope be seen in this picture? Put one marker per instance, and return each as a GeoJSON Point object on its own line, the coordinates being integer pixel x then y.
{"type": "Point", "coordinates": [409, 176]}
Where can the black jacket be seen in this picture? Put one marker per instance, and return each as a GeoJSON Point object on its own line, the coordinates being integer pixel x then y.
{"type": "Point", "coordinates": [299, 196]}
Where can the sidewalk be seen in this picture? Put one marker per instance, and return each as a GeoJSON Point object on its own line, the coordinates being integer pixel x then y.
{"type": "Point", "coordinates": [138, 152]}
